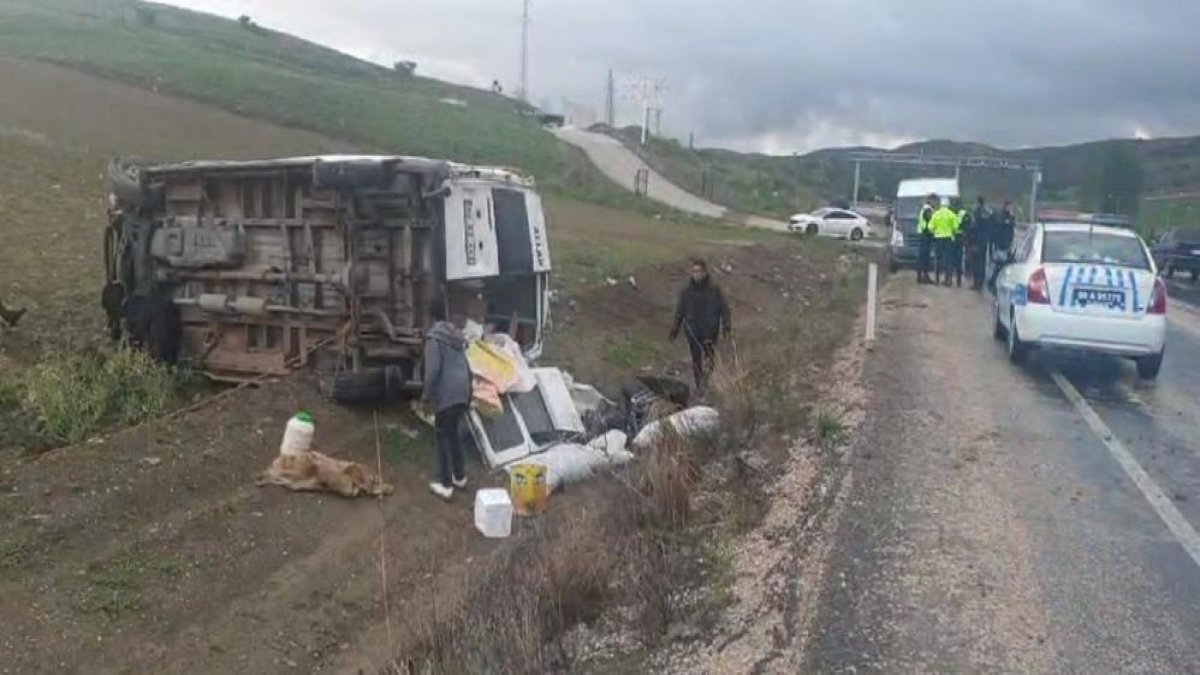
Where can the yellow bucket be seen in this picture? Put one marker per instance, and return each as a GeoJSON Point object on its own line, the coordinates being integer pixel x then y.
{"type": "Point", "coordinates": [528, 489]}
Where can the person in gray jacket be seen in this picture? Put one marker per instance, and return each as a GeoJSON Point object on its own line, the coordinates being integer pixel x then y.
{"type": "Point", "coordinates": [447, 390]}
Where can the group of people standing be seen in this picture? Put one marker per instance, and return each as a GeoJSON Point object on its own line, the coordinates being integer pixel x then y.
{"type": "Point", "coordinates": [952, 238]}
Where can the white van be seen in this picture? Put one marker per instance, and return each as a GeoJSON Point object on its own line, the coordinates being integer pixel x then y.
{"type": "Point", "coordinates": [910, 195]}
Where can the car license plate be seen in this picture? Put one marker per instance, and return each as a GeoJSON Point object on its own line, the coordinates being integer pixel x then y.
{"type": "Point", "coordinates": [1196, 251]}
{"type": "Point", "coordinates": [1107, 298]}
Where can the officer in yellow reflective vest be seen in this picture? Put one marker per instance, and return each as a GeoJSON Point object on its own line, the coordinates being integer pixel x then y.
{"type": "Point", "coordinates": [944, 224]}
{"type": "Point", "coordinates": [961, 235]}
{"type": "Point", "coordinates": [925, 239]}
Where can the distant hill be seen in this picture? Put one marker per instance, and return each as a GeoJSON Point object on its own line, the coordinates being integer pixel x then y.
{"type": "Point", "coordinates": [1170, 164]}
{"type": "Point", "coordinates": [779, 185]}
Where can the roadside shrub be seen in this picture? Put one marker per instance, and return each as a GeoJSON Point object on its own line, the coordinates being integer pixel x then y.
{"type": "Point", "coordinates": [831, 430]}
{"type": "Point", "coordinates": [73, 395]}
{"type": "Point", "coordinates": [10, 393]}
{"type": "Point", "coordinates": [532, 589]}
{"type": "Point", "coordinates": [669, 477]}
{"type": "Point", "coordinates": [736, 392]}
{"type": "Point", "coordinates": [20, 430]}
{"type": "Point", "coordinates": [650, 581]}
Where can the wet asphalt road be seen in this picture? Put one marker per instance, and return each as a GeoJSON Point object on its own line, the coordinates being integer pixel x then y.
{"type": "Point", "coordinates": [988, 524]}
{"type": "Point", "coordinates": [1181, 288]}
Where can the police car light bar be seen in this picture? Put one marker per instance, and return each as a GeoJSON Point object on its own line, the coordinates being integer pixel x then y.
{"type": "Point", "coordinates": [1103, 219]}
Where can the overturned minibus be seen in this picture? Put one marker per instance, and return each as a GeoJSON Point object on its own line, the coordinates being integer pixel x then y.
{"type": "Point", "coordinates": [246, 269]}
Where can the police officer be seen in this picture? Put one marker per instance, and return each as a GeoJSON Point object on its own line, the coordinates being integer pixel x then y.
{"type": "Point", "coordinates": [925, 238]}
{"type": "Point", "coordinates": [944, 224]}
{"type": "Point", "coordinates": [1002, 238]}
{"type": "Point", "coordinates": [961, 236]}
{"type": "Point", "coordinates": [979, 242]}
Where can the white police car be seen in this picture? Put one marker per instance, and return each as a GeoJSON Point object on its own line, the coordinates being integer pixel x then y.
{"type": "Point", "coordinates": [1085, 287]}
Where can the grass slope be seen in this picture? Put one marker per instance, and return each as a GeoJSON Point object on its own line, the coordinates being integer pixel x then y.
{"type": "Point", "coordinates": [270, 75]}
{"type": "Point", "coordinates": [52, 194]}
{"type": "Point", "coordinates": [746, 183]}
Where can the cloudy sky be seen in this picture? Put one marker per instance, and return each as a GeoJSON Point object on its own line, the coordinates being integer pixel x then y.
{"type": "Point", "coordinates": [796, 75]}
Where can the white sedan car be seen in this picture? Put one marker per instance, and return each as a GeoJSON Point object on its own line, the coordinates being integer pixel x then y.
{"type": "Point", "coordinates": [830, 222]}
{"type": "Point", "coordinates": [1083, 287]}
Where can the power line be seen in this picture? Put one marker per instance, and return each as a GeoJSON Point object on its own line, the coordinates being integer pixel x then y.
{"type": "Point", "coordinates": [648, 91]}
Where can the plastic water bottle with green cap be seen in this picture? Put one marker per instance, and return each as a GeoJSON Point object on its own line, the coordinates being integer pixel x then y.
{"type": "Point", "coordinates": [298, 435]}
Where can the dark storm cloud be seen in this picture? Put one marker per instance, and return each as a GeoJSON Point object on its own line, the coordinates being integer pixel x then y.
{"type": "Point", "coordinates": [779, 75]}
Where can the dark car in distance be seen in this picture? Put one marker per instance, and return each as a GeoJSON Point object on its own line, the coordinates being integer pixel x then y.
{"type": "Point", "coordinates": [1178, 251]}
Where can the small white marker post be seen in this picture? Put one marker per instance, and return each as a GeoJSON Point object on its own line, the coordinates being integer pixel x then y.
{"type": "Point", "coordinates": [872, 282]}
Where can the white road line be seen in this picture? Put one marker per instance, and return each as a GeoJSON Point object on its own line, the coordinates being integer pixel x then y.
{"type": "Point", "coordinates": [1161, 503]}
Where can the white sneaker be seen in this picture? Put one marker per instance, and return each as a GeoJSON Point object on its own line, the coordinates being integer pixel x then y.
{"type": "Point", "coordinates": [460, 483]}
{"type": "Point", "coordinates": [441, 490]}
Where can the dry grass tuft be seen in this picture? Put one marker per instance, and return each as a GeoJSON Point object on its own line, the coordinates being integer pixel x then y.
{"type": "Point", "coordinates": [669, 477]}
{"type": "Point", "coordinates": [532, 589]}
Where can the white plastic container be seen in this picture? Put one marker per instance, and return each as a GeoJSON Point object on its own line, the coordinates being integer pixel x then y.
{"type": "Point", "coordinates": [298, 435]}
{"type": "Point", "coordinates": [493, 513]}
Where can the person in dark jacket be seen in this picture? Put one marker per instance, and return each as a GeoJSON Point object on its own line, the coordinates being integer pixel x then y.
{"type": "Point", "coordinates": [979, 243]}
{"type": "Point", "coordinates": [703, 315]}
{"type": "Point", "coordinates": [1003, 230]}
{"type": "Point", "coordinates": [10, 316]}
{"type": "Point", "coordinates": [447, 390]}
{"type": "Point", "coordinates": [1006, 226]}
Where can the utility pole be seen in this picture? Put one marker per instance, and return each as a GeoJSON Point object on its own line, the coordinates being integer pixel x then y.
{"type": "Point", "coordinates": [524, 94]}
{"type": "Point", "coordinates": [1033, 195]}
{"type": "Point", "coordinates": [796, 166]}
{"type": "Point", "coordinates": [658, 122]}
{"type": "Point", "coordinates": [857, 181]}
{"type": "Point", "coordinates": [648, 90]}
{"type": "Point", "coordinates": [610, 104]}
